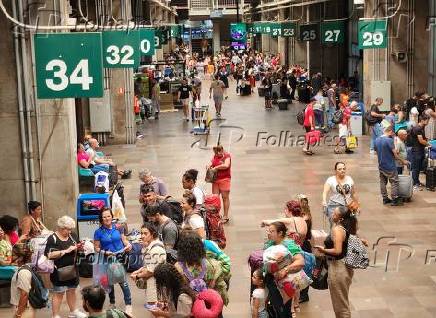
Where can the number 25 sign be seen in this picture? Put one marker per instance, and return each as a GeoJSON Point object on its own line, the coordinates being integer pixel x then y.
{"type": "Point", "coordinates": [68, 65]}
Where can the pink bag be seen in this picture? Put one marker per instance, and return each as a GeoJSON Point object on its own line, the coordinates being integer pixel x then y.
{"type": "Point", "coordinates": [313, 137]}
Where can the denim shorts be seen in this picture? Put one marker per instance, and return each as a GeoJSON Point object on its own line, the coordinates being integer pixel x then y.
{"type": "Point", "coordinates": [63, 289]}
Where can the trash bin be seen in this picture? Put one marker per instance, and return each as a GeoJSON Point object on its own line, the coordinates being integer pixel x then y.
{"type": "Point", "coordinates": [283, 104]}
{"type": "Point", "coordinates": [356, 123]}
{"type": "Point", "coordinates": [87, 212]}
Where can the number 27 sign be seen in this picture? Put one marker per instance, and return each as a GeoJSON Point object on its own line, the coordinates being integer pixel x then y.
{"type": "Point", "coordinates": [68, 65]}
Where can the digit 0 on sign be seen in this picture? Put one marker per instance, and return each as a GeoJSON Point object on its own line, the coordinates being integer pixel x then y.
{"type": "Point", "coordinates": [71, 68]}
{"type": "Point", "coordinates": [147, 45]}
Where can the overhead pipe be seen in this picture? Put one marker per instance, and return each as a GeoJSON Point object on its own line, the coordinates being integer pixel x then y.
{"type": "Point", "coordinates": [21, 108]}
{"type": "Point", "coordinates": [387, 17]}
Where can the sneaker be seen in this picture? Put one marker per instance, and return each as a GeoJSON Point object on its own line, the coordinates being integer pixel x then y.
{"type": "Point", "coordinates": [77, 314]}
{"type": "Point", "coordinates": [156, 116]}
{"type": "Point", "coordinates": [417, 188]}
{"type": "Point", "coordinates": [349, 151]}
{"type": "Point", "coordinates": [112, 306]}
{"type": "Point", "coordinates": [187, 119]}
{"type": "Point", "coordinates": [371, 151]}
{"type": "Point", "coordinates": [218, 115]}
{"type": "Point", "coordinates": [129, 310]}
{"type": "Point", "coordinates": [397, 202]}
{"type": "Point", "coordinates": [387, 201]}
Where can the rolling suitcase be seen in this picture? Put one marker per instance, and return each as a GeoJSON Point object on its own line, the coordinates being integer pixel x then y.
{"type": "Point", "coordinates": [283, 104]}
{"type": "Point", "coordinates": [430, 178]}
{"type": "Point", "coordinates": [405, 187]}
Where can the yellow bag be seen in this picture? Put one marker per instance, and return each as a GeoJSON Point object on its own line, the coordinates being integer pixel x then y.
{"type": "Point", "coordinates": [351, 142]}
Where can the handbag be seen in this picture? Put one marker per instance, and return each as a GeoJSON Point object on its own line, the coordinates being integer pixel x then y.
{"type": "Point", "coordinates": [320, 274]}
{"type": "Point", "coordinates": [211, 175]}
{"type": "Point", "coordinates": [313, 137]}
{"type": "Point", "coordinates": [141, 283]}
{"type": "Point", "coordinates": [357, 255]}
{"type": "Point", "coordinates": [351, 142]}
{"type": "Point", "coordinates": [67, 273]}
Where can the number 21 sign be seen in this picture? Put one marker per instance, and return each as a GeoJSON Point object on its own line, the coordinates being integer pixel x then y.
{"type": "Point", "coordinates": [68, 65]}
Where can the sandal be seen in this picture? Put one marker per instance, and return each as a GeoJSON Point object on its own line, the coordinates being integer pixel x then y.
{"type": "Point", "coordinates": [225, 220]}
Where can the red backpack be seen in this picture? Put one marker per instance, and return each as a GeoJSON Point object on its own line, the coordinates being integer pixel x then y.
{"type": "Point", "coordinates": [213, 223]}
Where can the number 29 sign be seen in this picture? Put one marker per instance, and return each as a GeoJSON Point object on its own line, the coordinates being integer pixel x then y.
{"type": "Point", "coordinates": [373, 34]}
{"type": "Point", "coordinates": [68, 65]}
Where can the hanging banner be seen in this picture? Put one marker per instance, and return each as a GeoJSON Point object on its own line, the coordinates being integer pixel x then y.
{"type": "Point", "coordinates": [288, 29]}
{"type": "Point", "coordinates": [146, 42]}
{"type": "Point", "coordinates": [333, 32]}
{"type": "Point", "coordinates": [373, 34]}
{"type": "Point", "coordinates": [257, 27]}
{"type": "Point", "coordinates": [266, 28]}
{"type": "Point", "coordinates": [121, 49]}
{"type": "Point", "coordinates": [68, 65]}
{"type": "Point", "coordinates": [309, 32]}
{"type": "Point", "coordinates": [238, 35]}
{"type": "Point", "coordinates": [164, 35]}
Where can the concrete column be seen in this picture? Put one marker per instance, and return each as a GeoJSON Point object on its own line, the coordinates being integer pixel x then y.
{"type": "Point", "coordinates": [281, 41]}
{"type": "Point", "coordinates": [13, 200]}
{"type": "Point", "coordinates": [216, 40]}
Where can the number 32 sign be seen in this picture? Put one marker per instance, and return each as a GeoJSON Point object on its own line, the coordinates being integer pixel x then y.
{"type": "Point", "coordinates": [68, 65]}
{"type": "Point", "coordinates": [121, 49]}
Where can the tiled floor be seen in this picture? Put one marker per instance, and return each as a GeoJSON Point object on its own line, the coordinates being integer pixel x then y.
{"type": "Point", "coordinates": [263, 178]}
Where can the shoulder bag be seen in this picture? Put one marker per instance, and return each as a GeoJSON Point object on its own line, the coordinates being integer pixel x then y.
{"type": "Point", "coordinates": [68, 272]}
{"type": "Point", "coordinates": [211, 175]}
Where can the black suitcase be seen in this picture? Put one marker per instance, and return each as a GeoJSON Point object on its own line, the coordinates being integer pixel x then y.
{"type": "Point", "coordinates": [283, 104]}
{"type": "Point", "coordinates": [261, 91]}
{"type": "Point", "coordinates": [430, 178]}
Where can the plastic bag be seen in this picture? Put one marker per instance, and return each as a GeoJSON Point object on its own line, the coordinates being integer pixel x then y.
{"type": "Point", "coordinates": [275, 258]}
{"type": "Point", "coordinates": [293, 282]}
{"type": "Point", "coordinates": [116, 273]}
{"type": "Point", "coordinates": [100, 275]}
{"type": "Point", "coordinates": [117, 207]}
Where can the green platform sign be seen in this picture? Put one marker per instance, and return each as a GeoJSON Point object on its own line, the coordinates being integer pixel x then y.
{"type": "Point", "coordinates": [146, 42]}
{"type": "Point", "coordinates": [266, 28]}
{"type": "Point", "coordinates": [276, 29]}
{"type": "Point", "coordinates": [373, 34]}
{"type": "Point", "coordinates": [121, 49]}
{"type": "Point", "coordinates": [164, 35]}
{"type": "Point", "coordinates": [309, 32]}
{"type": "Point", "coordinates": [176, 31]}
{"type": "Point", "coordinates": [333, 32]}
{"type": "Point", "coordinates": [288, 29]}
{"type": "Point", "coordinates": [157, 38]}
{"type": "Point", "coordinates": [257, 27]}
{"type": "Point", "coordinates": [68, 65]}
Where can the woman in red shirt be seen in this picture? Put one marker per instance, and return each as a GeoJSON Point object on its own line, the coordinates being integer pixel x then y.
{"type": "Point", "coordinates": [221, 162]}
{"type": "Point", "coordinates": [309, 125]}
{"type": "Point", "coordinates": [344, 126]}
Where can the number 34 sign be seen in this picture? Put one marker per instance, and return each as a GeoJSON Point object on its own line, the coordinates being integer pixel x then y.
{"type": "Point", "coordinates": [68, 65]}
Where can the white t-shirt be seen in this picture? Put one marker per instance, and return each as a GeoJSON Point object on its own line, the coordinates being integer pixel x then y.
{"type": "Point", "coordinates": [336, 195]}
{"type": "Point", "coordinates": [91, 154]}
{"type": "Point", "coordinates": [259, 293]}
{"type": "Point", "coordinates": [196, 222]}
{"type": "Point", "coordinates": [154, 254]}
{"type": "Point", "coordinates": [199, 195]}
{"type": "Point", "coordinates": [24, 282]}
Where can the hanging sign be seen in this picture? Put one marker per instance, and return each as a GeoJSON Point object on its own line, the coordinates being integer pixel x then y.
{"type": "Point", "coordinates": [121, 49]}
{"type": "Point", "coordinates": [68, 65]}
{"type": "Point", "coordinates": [309, 32]}
{"type": "Point", "coordinates": [266, 28]}
{"type": "Point", "coordinates": [333, 32]}
{"type": "Point", "coordinates": [146, 42]}
{"type": "Point", "coordinates": [176, 31]}
{"type": "Point", "coordinates": [157, 38]}
{"type": "Point", "coordinates": [238, 35]}
{"type": "Point", "coordinates": [288, 29]}
{"type": "Point", "coordinates": [276, 29]}
{"type": "Point", "coordinates": [373, 34]}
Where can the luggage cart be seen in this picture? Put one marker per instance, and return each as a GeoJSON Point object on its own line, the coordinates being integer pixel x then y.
{"type": "Point", "coordinates": [200, 120]}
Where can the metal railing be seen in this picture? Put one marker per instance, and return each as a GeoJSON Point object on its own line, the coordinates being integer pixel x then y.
{"type": "Point", "coordinates": [211, 4]}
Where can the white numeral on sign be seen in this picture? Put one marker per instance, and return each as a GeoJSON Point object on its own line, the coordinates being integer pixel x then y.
{"type": "Point", "coordinates": [156, 41]}
{"type": "Point", "coordinates": [288, 32]}
{"type": "Point", "coordinates": [309, 35]}
{"type": "Point", "coordinates": [332, 35]}
{"type": "Point", "coordinates": [145, 46]}
{"type": "Point", "coordinates": [60, 74]}
{"type": "Point", "coordinates": [83, 80]}
{"type": "Point", "coordinates": [370, 39]}
{"type": "Point", "coordinates": [115, 55]}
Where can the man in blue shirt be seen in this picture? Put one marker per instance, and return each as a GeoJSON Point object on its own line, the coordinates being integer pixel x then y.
{"type": "Point", "coordinates": [386, 154]}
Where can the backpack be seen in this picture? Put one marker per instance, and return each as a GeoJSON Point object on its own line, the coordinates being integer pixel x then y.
{"type": "Point", "coordinates": [176, 210]}
{"type": "Point", "coordinates": [300, 117]}
{"type": "Point", "coordinates": [38, 294]}
{"type": "Point", "coordinates": [338, 116]}
{"type": "Point", "coordinates": [357, 255]}
{"type": "Point", "coordinates": [212, 220]}
{"type": "Point", "coordinates": [309, 263]}
{"type": "Point", "coordinates": [197, 284]}
{"type": "Point", "coordinates": [369, 119]}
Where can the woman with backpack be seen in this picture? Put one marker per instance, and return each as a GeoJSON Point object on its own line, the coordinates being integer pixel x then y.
{"type": "Point", "coordinates": [191, 216]}
{"type": "Point", "coordinates": [200, 271]}
{"type": "Point", "coordinates": [111, 241]}
{"type": "Point", "coordinates": [62, 248]}
{"type": "Point", "coordinates": [173, 291]}
{"type": "Point", "coordinates": [335, 248]}
{"type": "Point", "coordinates": [153, 254]}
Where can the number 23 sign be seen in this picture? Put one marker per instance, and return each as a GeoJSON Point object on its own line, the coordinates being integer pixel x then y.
{"type": "Point", "coordinates": [68, 65]}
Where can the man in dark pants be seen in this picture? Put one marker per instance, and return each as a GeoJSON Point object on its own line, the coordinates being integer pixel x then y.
{"type": "Point", "coordinates": [293, 84]}
{"type": "Point", "coordinates": [418, 144]}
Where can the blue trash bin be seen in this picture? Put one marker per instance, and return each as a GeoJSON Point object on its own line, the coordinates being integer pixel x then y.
{"type": "Point", "coordinates": [88, 211]}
